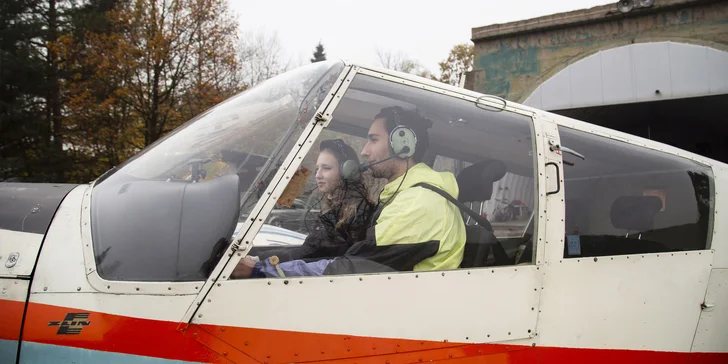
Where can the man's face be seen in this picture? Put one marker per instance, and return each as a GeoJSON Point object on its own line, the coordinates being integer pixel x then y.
{"type": "Point", "coordinates": [377, 149]}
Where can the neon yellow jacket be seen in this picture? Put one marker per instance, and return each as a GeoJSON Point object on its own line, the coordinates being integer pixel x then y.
{"type": "Point", "coordinates": [416, 228]}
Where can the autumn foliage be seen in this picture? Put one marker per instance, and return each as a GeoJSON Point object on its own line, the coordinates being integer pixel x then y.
{"type": "Point", "coordinates": [86, 84]}
{"type": "Point", "coordinates": [159, 64]}
{"type": "Point", "coordinates": [458, 62]}
{"type": "Point", "coordinates": [126, 73]}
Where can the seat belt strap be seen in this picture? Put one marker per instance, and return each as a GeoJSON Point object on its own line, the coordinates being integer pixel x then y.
{"type": "Point", "coordinates": [479, 219]}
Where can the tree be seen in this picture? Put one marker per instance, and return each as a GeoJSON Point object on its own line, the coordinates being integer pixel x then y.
{"type": "Point", "coordinates": [164, 47]}
{"type": "Point", "coordinates": [29, 30]}
{"type": "Point", "coordinates": [215, 74]}
{"type": "Point", "coordinates": [260, 57]}
{"type": "Point", "coordinates": [102, 129]}
{"type": "Point", "coordinates": [318, 54]}
{"type": "Point", "coordinates": [53, 96]}
{"type": "Point", "coordinates": [157, 64]}
{"type": "Point", "coordinates": [460, 60]}
{"type": "Point", "coordinates": [22, 123]}
{"type": "Point", "coordinates": [399, 62]}
{"type": "Point", "coordinates": [86, 84]}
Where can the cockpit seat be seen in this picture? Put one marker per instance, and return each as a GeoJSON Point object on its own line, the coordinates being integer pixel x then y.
{"type": "Point", "coordinates": [636, 216]}
{"type": "Point", "coordinates": [476, 181]}
{"type": "Point", "coordinates": [476, 184]}
{"type": "Point", "coordinates": [635, 213]}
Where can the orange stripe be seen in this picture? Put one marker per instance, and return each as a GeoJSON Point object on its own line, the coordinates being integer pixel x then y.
{"type": "Point", "coordinates": [11, 317]}
{"type": "Point", "coordinates": [286, 346]}
{"type": "Point", "coordinates": [115, 333]}
{"type": "Point", "coordinates": [261, 342]}
{"type": "Point", "coordinates": [218, 344]}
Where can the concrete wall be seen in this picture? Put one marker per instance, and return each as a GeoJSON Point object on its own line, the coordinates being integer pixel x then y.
{"type": "Point", "coordinates": [511, 60]}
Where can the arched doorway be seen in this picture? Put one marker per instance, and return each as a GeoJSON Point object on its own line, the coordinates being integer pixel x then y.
{"type": "Point", "coordinates": [671, 92]}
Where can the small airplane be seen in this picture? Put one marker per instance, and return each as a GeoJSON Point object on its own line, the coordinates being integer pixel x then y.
{"type": "Point", "coordinates": [615, 253]}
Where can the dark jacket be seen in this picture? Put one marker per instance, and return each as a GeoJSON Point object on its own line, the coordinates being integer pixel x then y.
{"type": "Point", "coordinates": [325, 240]}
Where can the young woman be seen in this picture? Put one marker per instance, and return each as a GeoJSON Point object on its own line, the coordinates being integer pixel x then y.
{"type": "Point", "coordinates": [347, 208]}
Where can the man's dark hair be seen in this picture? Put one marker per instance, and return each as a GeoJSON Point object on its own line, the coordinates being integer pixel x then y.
{"type": "Point", "coordinates": [412, 120]}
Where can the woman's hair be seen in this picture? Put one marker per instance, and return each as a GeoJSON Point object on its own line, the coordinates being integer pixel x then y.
{"type": "Point", "coordinates": [347, 195]}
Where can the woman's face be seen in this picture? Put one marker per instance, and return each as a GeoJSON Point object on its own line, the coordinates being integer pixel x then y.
{"type": "Point", "coordinates": [327, 172]}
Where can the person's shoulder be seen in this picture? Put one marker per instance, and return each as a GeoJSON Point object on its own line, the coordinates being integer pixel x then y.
{"type": "Point", "coordinates": [418, 197]}
{"type": "Point", "coordinates": [413, 192]}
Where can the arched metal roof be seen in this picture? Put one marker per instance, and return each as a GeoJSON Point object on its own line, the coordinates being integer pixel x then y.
{"type": "Point", "coordinates": [635, 73]}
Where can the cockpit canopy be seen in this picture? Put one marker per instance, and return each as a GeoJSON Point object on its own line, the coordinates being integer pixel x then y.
{"type": "Point", "coordinates": [181, 196]}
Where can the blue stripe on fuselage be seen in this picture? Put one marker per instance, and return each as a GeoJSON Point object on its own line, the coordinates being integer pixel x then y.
{"type": "Point", "coordinates": [36, 353]}
{"type": "Point", "coordinates": [8, 351]}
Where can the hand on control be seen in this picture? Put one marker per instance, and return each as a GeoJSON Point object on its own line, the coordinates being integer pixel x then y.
{"type": "Point", "coordinates": [244, 269]}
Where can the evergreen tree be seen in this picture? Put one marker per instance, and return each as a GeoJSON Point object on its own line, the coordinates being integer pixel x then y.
{"type": "Point", "coordinates": [32, 136]}
{"type": "Point", "coordinates": [319, 54]}
{"type": "Point", "coordinates": [24, 134]}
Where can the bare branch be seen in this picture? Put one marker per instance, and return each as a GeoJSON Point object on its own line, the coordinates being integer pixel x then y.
{"type": "Point", "coordinates": [260, 57]}
{"type": "Point", "coordinates": [399, 62]}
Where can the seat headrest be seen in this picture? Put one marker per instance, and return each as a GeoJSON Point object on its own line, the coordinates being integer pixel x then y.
{"type": "Point", "coordinates": [635, 213]}
{"type": "Point", "coordinates": [476, 181]}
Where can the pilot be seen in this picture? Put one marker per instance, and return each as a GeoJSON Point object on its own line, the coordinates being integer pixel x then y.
{"type": "Point", "coordinates": [413, 228]}
{"type": "Point", "coordinates": [347, 208]}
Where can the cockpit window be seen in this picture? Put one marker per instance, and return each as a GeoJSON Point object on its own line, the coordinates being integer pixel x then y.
{"type": "Point", "coordinates": [625, 199]}
{"type": "Point", "coordinates": [380, 218]}
{"type": "Point", "coordinates": [169, 212]}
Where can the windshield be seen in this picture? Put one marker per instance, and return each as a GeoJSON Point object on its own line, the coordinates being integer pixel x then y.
{"type": "Point", "coordinates": [178, 200]}
{"type": "Point", "coordinates": [250, 125]}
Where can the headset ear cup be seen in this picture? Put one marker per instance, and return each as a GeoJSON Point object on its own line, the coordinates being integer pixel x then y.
{"type": "Point", "coordinates": [402, 142]}
{"type": "Point", "coordinates": [345, 171]}
{"type": "Point", "coordinates": [350, 171]}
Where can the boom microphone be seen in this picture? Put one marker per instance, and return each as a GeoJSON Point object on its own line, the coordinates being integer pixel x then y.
{"type": "Point", "coordinates": [352, 170]}
{"type": "Point", "coordinates": [366, 166]}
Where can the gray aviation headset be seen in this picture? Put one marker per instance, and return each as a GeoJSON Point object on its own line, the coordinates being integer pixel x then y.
{"type": "Point", "coordinates": [402, 139]}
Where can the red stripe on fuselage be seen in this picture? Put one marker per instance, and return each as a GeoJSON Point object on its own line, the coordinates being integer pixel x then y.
{"type": "Point", "coordinates": [115, 333]}
{"type": "Point", "coordinates": [11, 316]}
{"type": "Point", "coordinates": [211, 343]}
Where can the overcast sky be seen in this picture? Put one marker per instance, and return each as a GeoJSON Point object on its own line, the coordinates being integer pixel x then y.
{"type": "Point", "coordinates": [354, 30]}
